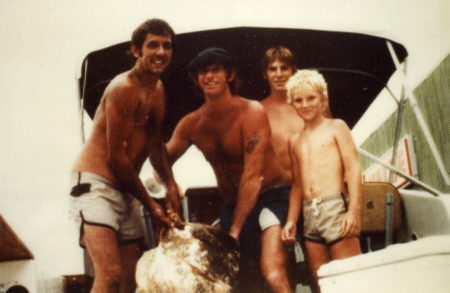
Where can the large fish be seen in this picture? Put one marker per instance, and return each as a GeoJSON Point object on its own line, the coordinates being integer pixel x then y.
{"type": "Point", "coordinates": [188, 259]}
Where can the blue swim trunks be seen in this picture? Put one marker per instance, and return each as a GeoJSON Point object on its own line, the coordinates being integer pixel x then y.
{"type": "Point", "coordinates": [276, 200]}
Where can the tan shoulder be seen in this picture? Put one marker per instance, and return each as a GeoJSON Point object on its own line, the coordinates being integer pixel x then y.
{"type": "Point", "coordinates": [296, 137]}
{"type": "Point", "coordinates": [269, 103]}
{"type": "Point", "coordinates": [116, 95]}
{"type": "Point", "coordinates": [192, 116]}
{"type": "Point", "coordinates": [189, 121]}
{"type": "Point", "coordinates": [337, 124]}
{"type": "Point", "coordinates": [266, 103]}
{"type": "Point", "coordinates": [256, 104]}
{"type": "Point", "coordinates": [252, 106]}
{"type": "Point", "coordinates": [119, 86]}
{"type": "Point", "coordinates": [256, 113]}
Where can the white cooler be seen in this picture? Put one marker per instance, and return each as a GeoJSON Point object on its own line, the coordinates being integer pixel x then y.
{"type": "Point", "coordinates": [419, 266]}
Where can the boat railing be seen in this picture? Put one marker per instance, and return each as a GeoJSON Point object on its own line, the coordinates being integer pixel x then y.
{"type": "Point", "coordinates": [400, 173]}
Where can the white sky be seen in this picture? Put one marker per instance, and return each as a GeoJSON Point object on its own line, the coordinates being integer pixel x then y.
{"type": "Point", "coordinates": [42, 44]}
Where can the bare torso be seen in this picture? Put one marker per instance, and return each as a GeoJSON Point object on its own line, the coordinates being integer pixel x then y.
{"type": "Point", "coordinates": [284, 123]}
{"type": "Point", "coordinates": [141, 102]}
{"type": "Point", "coordinates": [321, 168]}
{"type": "Point", "coordinates": [218, 135]}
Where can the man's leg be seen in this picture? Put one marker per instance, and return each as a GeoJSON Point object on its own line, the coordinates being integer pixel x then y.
{"type": "Point", "coordinates": [345, 248]}
{"type": "Point", "coordinates": [273, 260]}
{"type": "Point", "coordinates": [101, 244]}
{"type": "Point", "coordinates": [129, 256]}
{"type": "Point", "coordinates": [317, 254]}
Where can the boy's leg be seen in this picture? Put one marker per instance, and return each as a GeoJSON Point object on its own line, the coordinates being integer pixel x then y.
{"type": "Point", "coordinates": [273, 260]}
{"type": "Point", "coordinates": [101, 245]}
{"type": "Point", "coordinates": [317, 254]}
{"type": "Point", "coordinates": [345, 248]}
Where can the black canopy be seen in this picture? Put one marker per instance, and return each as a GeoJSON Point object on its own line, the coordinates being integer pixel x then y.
{"type": "Point", "coordinates": [356, 67]}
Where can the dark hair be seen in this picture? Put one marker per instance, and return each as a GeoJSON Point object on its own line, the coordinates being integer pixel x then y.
{"type": "Point", "coordinates": [212, 56]}
{"type": "Point", "coordinates": [235, 84]}
{"type": "Point", "coordinates": [279, 52]}
{"type": "Point", "coordinates": [154, 26]}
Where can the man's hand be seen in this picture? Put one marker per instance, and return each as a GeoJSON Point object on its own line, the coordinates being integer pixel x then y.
{"type": "Point", "coordinates": [234, 233]}
{"type": "Point", "coordinates": [173, 199]}
{"type": "Point", "coordinates": [158, 214]}
{"type": "Point", "coordinates": [351, 226]}
{"type": "Point", "coordinates": [174, 195]}
{"type": "Point", "coordinates": [288, 233]}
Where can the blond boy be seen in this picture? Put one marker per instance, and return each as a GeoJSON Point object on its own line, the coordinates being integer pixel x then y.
{"type": "Point", "coordinates": [326, 177]}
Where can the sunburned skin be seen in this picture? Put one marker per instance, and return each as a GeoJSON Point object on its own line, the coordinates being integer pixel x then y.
{"type": "Point", "coordinates": [136, 130]}
{"type": "Point", "coordinates": [127, 129]}
{"type": "Point", "coordinates": [234, 135]}
{"type": "Point", "coordinates": [284, 121]}
{"type": "Point", "coordinates": [319, 151]}
{"type": "Point", "coordinates": [324, 150]}
{"type": "Point", "coordinates": [324, 163]}
{"type": "Point", "coordinates": [128, 124]}
{"type": "Point", "coordinates": [219, 137]}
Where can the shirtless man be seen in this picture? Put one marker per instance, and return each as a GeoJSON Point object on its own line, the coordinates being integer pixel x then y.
{"type": "Point", "coordinates": [325, 169]}
{"type": "Point", "coordinates": [233, 133]}
{"type": "Point", "coordinates": [127, 129]}
{"type": "Point", "coordinates": [277, 67]}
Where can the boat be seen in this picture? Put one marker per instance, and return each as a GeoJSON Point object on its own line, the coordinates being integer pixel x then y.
{"type": "Point", "coordinates": [388, 81]}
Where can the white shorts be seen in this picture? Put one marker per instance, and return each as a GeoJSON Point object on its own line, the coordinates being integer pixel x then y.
{"type": "Point", "coordinates": [99, 202]}
{"type": "Point", "coordinates": [267, 219]}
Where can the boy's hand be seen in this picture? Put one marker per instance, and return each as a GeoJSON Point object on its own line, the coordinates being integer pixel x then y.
{"type": "Point", "coordinates": [351, 226]}
{"type": "Point", "coordinates": [288, 233]}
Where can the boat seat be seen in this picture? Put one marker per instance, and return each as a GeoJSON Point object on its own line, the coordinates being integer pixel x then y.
{"type": "Point", "coordinates": [381, 210]}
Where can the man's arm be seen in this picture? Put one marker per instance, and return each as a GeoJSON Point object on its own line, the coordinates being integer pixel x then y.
{"type": "Point", "coordinates": [180, 140]}
{"type": "Point", "coordinates": [118, 107]}
{"type": "Point", "coordinates": [177, 145]}
{"type": "Point", "coordinates": [159, 158]}
{"type": "Point", "coordinates": [349, 155]}
{"type": "Point", "coordinates": [295, 195]}
{"type": "Point", "coordinates": [256, 139]}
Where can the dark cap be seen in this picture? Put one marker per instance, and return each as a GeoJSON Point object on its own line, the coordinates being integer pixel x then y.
{"type": "Point", "coordinates": [211, 56]}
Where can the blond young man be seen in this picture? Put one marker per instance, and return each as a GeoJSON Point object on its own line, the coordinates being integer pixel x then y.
{"type": "Point", "coordinates": [326, 177]}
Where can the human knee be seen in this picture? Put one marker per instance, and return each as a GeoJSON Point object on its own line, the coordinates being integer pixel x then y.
{"type": "Point", "coordinates": [111, 274]}
{"type": "Point", "coordinates": [273, 275]}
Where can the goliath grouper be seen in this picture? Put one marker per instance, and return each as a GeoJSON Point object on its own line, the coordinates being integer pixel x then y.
{"type": "Point", "coordinates": [190, 258]}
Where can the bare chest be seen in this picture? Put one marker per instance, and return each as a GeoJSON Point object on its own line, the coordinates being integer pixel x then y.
{"type": "Point", "coordinates": [140, 125]}
{"type": "Point", "coordinates": [320, 146]}
{"type": "Point", "coordinates": [220, 141]}
{"type": "Point", "coordinates": [146, 107]}
{"type": "Point", "coordinates": [284, 122]}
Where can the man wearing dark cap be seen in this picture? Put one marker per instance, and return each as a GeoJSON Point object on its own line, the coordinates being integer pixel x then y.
{"type": "Point", "coordinates": [233, 134]}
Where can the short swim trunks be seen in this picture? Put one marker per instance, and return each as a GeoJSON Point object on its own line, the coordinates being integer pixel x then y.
{"type": "Point", "coordinates": [323, 218]}
{"type": "Point", "coordinates": [270, 209]}
{"type": "Point", "coordinates": [99, 202]}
